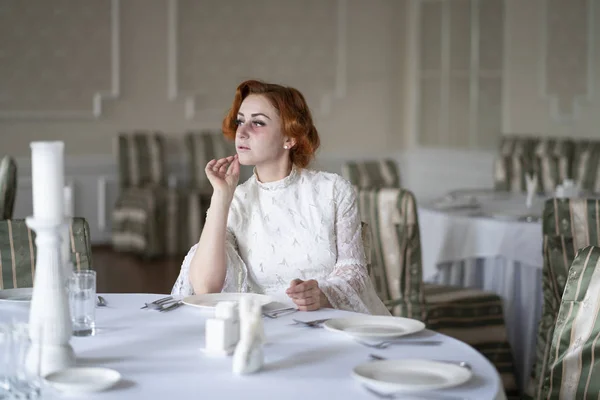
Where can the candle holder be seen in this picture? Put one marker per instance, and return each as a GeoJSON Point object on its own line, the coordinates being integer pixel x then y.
{"type": "Point", "coordinates": [50, 326]}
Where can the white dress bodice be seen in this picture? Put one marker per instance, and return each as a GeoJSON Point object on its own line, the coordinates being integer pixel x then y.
{"type": "Point", "coordinates": [304, 226]}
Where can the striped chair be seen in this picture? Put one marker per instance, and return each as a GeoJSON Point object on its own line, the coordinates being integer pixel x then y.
{"type": "Point", "coordinates": [473, 316]}
{"type": "Point", "coordinates": [586, 166]}
{"type": "Point", "coordinates": [187, 206]}
{"type": "Point", "coordinates": [202, 147]}
{"type": "Point", "coordinates": [18, 251]}
{"type": "Point", "coordinates": [372, 174]}
{"type": "Point", "coordinates": [513, 161]}
{"type": "Point", "coordinates": [573, 370]}
{"type": "Point", "coordinates": [138, 217]}
{"type": "Point", "coordinates": [8, 186]}
{"type": "Point", "coordinates": [553, 163]}
{"type": "Point", "coordinates": [568, 225]}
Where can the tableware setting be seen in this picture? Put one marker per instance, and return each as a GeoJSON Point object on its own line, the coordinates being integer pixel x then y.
{"type": "Point", "coordinates": [410, 375]}
{"type": "Point", "coordinates": [374, 327]}
{"type": "Point", "coordinates": [209, 301]}
{"type": "Point", "coordinates": [18, 296]}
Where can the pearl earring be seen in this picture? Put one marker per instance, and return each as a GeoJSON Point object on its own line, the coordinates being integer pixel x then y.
{"type": "Point", "coordinates": [285, 147]}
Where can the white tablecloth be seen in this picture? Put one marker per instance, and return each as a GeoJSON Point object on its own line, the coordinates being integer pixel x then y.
{"type": "Point", "coordinates": [483, 248]}
{"type": "Point", "coordinates": [159, 356]}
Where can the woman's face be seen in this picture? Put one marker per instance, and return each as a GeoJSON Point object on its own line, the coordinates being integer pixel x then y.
{"type": "Point", "coordinates": [258, 138]}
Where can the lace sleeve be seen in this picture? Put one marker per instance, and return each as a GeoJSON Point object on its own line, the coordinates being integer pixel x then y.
{"type": "Point", "coordinates": [349, 287]}
{"type": "Point", "coordinates": [236, 276]}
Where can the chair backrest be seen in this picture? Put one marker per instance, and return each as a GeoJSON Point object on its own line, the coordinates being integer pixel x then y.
{"type": "Point", "coordinates": [141, 159]}
{"type": "Point", "coordinates": [396, 269]}
{"type": "Point", "coordinates": [568, 225]}
{"type": "Point", "coordinates": [553, 162]}
{"type": "Point", "coordinates": [201, 147]}
{"type": "Point", "coordinates": [510, 172]}
{"type": "Point", "coordinates": [586, 166]}
{"type": "Point", "coordinates": [8, 186]}
{"type": "Point", "coordinates": [372, 174]}
{"type": "Point", "coordinates": [574, 358]}
{"type": "Point", "coordinates": [18, 251]}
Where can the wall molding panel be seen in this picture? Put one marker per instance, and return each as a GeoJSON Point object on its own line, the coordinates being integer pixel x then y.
{"type": "Point", "coordinates": [84, 34]}
{"type": "Point", "coordinates": [275, 60]}
{"type": "Point", "coordinates": [567, 58]}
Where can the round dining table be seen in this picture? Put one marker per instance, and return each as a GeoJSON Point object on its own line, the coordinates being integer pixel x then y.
{"type": "Point", "coordinates": [160, 356]}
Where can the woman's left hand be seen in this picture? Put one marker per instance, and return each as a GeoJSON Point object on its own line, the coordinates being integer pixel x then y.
{"type": "Point", "coordinates": [307, 295]}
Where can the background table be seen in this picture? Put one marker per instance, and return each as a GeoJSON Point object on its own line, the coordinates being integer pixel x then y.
{"type": "Point", "coordinates": [487, 249]}
{"type": "Point", "coordinates": [159, 356]}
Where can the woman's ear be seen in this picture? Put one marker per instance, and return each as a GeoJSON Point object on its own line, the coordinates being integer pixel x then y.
{"type": "Point", "coordinates": [290, 143]}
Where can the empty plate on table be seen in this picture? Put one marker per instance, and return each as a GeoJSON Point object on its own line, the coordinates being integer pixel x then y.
{"type": "Point", "coordinates": [16, 296]}
{"type": "Point", "coordinates": [210, 300]}
{"type": "Point", "coordinates": [379, 327]}
{"type": "Point", "coordinates": [411, 375]}
{"type": "Point", "coordinates": [83, 380]}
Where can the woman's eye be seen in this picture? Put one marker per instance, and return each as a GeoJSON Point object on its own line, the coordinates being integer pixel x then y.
{"type": "Point", "coordinates": [239, 122]}
{"type": "Point", "coordinates": [258, 123]}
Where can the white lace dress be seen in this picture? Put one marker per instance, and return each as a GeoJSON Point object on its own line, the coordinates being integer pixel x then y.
{"type": "Point", "coordinates": [304, 226]}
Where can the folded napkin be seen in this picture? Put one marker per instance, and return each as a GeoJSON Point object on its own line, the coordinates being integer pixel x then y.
{"type": "Point", "coordinates": [531, 185]}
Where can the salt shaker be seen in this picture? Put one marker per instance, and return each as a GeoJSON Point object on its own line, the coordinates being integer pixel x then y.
{"type": "Point", "coordinates": [223, 331]}
{"type": "Point", "coordinates": [248, 357]}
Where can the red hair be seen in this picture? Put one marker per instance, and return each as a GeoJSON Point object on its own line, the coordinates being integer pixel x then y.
{"type": "Point", "coordinates": [296, 119]}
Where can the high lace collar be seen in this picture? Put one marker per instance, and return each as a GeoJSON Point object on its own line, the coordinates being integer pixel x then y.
{"type": "Point", "coordinates": [280, 184]}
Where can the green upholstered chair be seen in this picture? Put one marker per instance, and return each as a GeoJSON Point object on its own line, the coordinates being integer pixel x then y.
{"type": "Point", "coordinates": [473, 316]}
{"type": "Point", "coordinates": [18, 251]}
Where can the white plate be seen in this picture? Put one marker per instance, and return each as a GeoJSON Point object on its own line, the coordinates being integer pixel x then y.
{"type": "Point", "coordinates": [379, 327]}
{"type": "Point", "coordinates": [209, 301]}
{"type": "Point", "coordinates": [83, 380]}
{"type": "Point", "coordinates": [410, 375]}
{"type": "Point", "coordinates": [16, 296]}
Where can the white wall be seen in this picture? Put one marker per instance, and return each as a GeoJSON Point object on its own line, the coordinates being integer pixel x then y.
{"type": "Point", "coordinates": [552, 66]}
{"type": "Point", "coordinates": [144, 61]}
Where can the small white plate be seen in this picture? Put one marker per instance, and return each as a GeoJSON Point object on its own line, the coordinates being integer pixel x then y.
{"type": "Point", "coordinates": [378, 327]}
{"type": "Point", "coordinates": [209, 301]}
{"type": "Point", "coordinates": [410, 375]}
{"type": "Point", "coordinates": [16, 296]}
{"type": "Point", "coordinates": [83, 380]}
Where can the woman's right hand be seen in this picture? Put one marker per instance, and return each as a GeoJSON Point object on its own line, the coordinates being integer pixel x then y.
{"type": "Point", "coordinates": [224, 175]}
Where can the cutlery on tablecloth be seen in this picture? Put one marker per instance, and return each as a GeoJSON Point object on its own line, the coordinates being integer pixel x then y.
{"type": "Point", "coordinates": [101, 302]}
{"type": "Point", "coordinates": [404, 395]}
{"type": "Point", "coordinates": [462, 364]}
{"type": "Point", "coordinates": [157, 302]}
{"type": "Point", "coordinates": [387, 343]}
{"type": "Point", "coordinates": [171, 306]}
{"type": "Point", "coordinates": [313, 324]}
{"type": "Point", "coordinates": [279, 312]}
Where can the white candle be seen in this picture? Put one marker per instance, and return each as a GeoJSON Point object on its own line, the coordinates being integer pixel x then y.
{"type": "Point", "coordinates": [48, 180]}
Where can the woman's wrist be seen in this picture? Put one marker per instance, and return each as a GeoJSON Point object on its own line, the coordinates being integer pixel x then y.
{"type": "Point", "coordinates": [221, 200]}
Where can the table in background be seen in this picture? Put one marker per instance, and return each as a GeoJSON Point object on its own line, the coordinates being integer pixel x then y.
{"type": "Point", "coordinates": [488, 248]}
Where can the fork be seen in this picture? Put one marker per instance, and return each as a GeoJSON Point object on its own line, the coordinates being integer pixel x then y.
{"type": "Point", "coordinates": [170, 306]}
{"type": "Point", "coordinates": [399, 395]}
{"type": "Point", "coordinates": [278, 313]}
{"type": "Point", "coordinates": [157, 302]}
{"type": "Point", "coordinates": [101, 302]}
{"type": "Point", "coordinates": [462, 364]}
{"type": "Point", "coordinates": [386, 344]}
{"type": "Point", "coordinates": [313, 324]}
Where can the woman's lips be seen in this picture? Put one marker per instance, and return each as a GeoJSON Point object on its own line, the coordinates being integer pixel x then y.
{"type": "Point", "coordinates": [243, 148]}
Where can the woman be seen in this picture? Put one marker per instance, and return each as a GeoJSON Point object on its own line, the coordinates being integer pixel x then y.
{"type": "Point", "coordinates": [286, 229]}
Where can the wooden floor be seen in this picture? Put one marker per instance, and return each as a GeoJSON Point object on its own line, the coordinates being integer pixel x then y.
{"type": "Point", "coordinates": [125, 273]}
